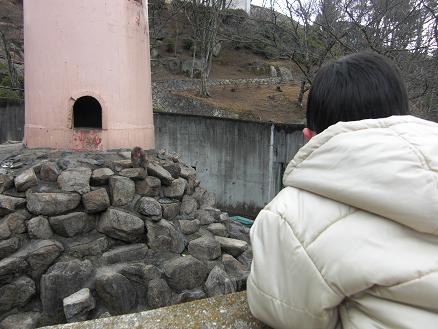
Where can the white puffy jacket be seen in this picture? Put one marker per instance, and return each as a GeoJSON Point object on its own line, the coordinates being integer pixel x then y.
{"type": "Point", "coordinates": [352, 240]}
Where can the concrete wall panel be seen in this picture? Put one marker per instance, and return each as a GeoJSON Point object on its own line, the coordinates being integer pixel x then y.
{"type": "Point", "coordinates": [239, 161]}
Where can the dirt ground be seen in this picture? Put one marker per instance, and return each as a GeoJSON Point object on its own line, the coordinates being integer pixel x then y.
{"type": "Point", "coordinates": [260, 103]}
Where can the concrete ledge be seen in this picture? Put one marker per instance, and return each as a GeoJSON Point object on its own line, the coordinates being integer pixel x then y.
{"type": "Point", "coordinates": [229, 311]}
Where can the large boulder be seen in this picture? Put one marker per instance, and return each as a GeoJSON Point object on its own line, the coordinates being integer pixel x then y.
{"type": "Point", "coordinates": [150, 186]}
{"type": "Point", "coordinates": [158, 171]}
{"type": "Point", "coordinates": [232, 246]}
{"type": "Point", "coordinates": [12, 224]}
{"type": "Point", "coordinates": [134, 173]}
{"type": "Point", "coordinates": [16, 294]}
{"type": "Point", "coordinates": [26, 180]}
{"type": "Point", "coordinates": [205, 199]}
{"type": "Point", "coordinates": [78, 305]}
{"type": "Point", "coordinates": [75, 180]}
{"type": "Point", "coordinates": [122, 190]}
{"type": "Point", "coordinates": [187, 172]}
{"type": "Point", "coordinates": [140, 274]}
{"type": "Point", "coordinates": [62, 280]}
{"type": "Point", "coordinates": [173, 168]}
{"type": "Point", "coordinates": [40, 254]}
{"type": "Point", "coordinates": [28, 320]}
{"type": "Point", "coordinates": [5, 232]}
{"type": "Point", "coordinates": [218, 229]}
{"type": "Point", "coordinates": [51, 204]}
{"type": "Point", "coordinates": [96, 201]}
{"type": "Point", "coordinates": [149, 207]}
{"type": "Point", "coordinates": [6, 182]}
{"type": "Point", "coordinates": [204, 217]}
{"type": "Point", "coordinates": [10, 267]}
{"type": "Point", "coordinates": [246, 259]}
{"type": "Point", "coordinates": [284, 73]}
{"type": "Point", "coordinates": [9, 204]}
{"type": "Point", "coordinates": [174, 65]}
{"type": "Point", "coordinates": [121, 225]}
{"type": "Point", "coordinates": [185, 273]}
{"type": "Point", "coordinates": [101, 176]}
{"type": "Point", "coordinates": [115, 290]}
{"type": "Point", "coordinates": [236, 270]}
{"type": "Point", "coordinates": [190, 295]}
{"type": "Point", "coordinates": [219, 283]}
{"type": "Point", "coordinates": [170, 208]}
{"type": "Point", "coordinates": [272, 71]}
{"type": "Point", "coordinates": [159, 294]}
{"type": "Point", "coordinates": [92, 244]}
{"type": "Point", "coordinates": [189, 226]}
{"type": "Point", "coordinates": [34, 259]}
{"type": "Point", "coordinates": [189, 205]}
{"type": "Point", "coordinates": [192, 183]}
{"type": "Point", "coordinates": [49, 172]}
{"type": "Point", "coordinates": [72, 224]}
{"type": "Point", "coordinates": [164, 236]}
{"type": "Point", "coordinates": [126, 253]}
{"type": "Point", "coordinates": [238, 231]}
{"type": "Point", "coordinates": [192, 65]}
{"type": "Point", "coordinates": [39, 228]}
{"type": "Point", "coordinates": [158, 257]}
{"type": "Point", "coordinates": [199, 193]}
{"type": "Point", "coordinates": [176, 189]}
{"type": "Point", "coordinates": [205, 248]}
{"type": "Point", "coordinates": [10, 246]}
{"type": "Point", "coordinates": [208, 200]}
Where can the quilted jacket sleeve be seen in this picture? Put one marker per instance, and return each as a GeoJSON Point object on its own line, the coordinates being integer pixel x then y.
{"type": "Point", "coordinates": [285, 289]}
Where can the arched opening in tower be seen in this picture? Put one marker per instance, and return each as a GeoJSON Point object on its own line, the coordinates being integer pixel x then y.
{"type": "Point", "coordinates": [87, 113]}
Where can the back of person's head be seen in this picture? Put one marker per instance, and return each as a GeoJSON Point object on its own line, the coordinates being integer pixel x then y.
{"type": "Point", "coordinates": [360, 86]}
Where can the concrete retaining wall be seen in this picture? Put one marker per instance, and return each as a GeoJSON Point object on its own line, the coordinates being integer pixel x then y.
{"type": "Point", "coordinates": [11, 120]}
{"type": "Point", "coordinates": [241, 162]}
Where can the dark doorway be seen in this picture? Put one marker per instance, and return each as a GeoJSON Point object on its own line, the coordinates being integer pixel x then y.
{"type": "Point", "coordinates": [87, 113]}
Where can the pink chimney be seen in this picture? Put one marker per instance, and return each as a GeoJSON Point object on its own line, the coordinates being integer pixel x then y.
{"type": "Point", "coordinates": [88, 81]}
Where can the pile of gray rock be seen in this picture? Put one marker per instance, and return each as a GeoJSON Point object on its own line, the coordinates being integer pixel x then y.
{"type": "Point", "coordinates": [85, 235]}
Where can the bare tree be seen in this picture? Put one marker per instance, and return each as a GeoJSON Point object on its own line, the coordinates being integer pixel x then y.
{"type": "Point", "coordinates": [11, 67]}
{"type": "Point", "coordinates": [404, 30]}
{"type": "Point", "coordinates": [161, 15]}
{"type": "Point", "coordinates": [400, 30]}
{"type": "Point", "coordinates": [204, 18]}
{"type": "Point", "coordinates": [298, 38]}
{"type": "Point", "coordinates": [11, 46]}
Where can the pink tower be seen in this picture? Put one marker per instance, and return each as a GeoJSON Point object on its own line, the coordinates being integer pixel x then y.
{"type": "Point", "coordinates": [88, 79]}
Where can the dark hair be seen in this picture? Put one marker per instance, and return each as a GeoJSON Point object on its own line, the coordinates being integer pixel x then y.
{"type": "Point", "coordinates": [360, 86]}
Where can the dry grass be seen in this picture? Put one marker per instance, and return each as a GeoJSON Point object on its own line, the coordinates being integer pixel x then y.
{"type": "Point", "coordinates": [260, 103]}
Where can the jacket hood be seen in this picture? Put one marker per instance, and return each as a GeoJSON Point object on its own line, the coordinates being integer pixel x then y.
{"type": "Point", "coordinates": [388, 167]}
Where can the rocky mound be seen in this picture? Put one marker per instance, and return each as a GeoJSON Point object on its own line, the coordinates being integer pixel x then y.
{"type": "Point", "coordinates": [85, 235]}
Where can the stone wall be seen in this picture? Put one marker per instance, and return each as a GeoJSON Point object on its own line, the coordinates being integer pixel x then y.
{"type": "Point", "coordinates": [86, 236]}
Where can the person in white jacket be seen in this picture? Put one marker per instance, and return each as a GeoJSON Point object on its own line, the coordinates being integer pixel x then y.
{"type": "Point", "coordinates": [352, 239]}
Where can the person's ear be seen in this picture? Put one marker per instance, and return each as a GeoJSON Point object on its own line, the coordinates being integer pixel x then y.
{"type": "Point", "coordinates": [308, 134]}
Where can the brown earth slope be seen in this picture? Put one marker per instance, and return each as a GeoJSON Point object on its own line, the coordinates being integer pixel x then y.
{"type": "Point", "coordinates": [259, 103]}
